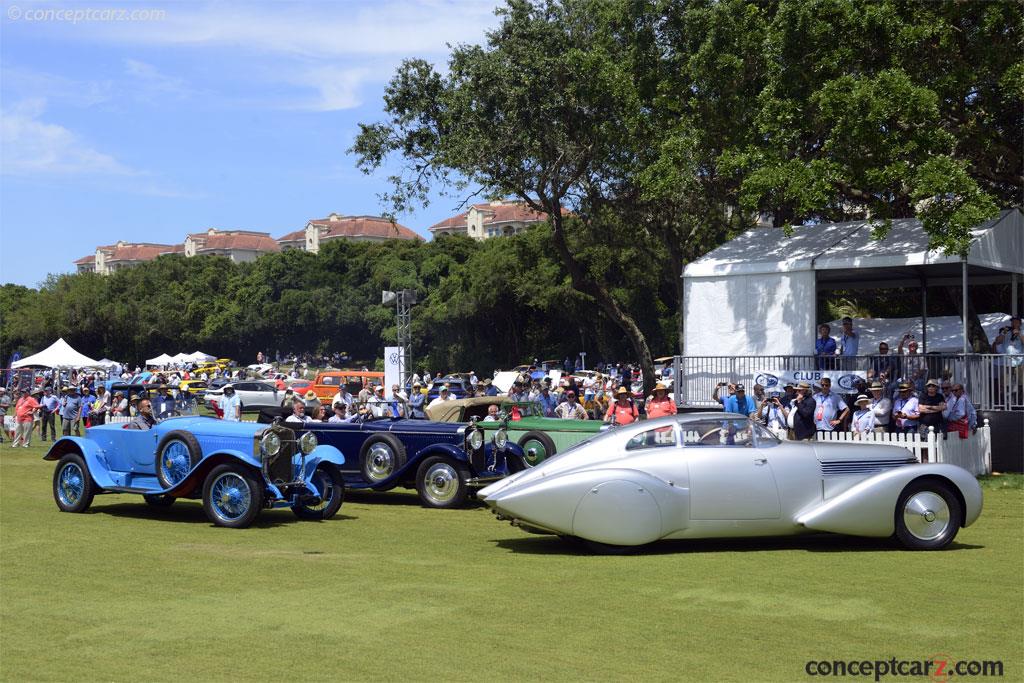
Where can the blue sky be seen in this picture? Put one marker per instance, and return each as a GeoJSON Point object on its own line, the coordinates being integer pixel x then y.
{"type": "Point", "coordinates": [190, 115]}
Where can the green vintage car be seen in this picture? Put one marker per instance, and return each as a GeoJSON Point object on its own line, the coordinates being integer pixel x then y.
{"type": "Point", "coordinates": [540, 437]}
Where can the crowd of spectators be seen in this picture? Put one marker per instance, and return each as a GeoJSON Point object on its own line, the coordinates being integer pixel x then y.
{"type": "Point", "coordinates": [802, 410]}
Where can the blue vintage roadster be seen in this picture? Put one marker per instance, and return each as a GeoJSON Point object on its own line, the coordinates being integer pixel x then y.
{"type": "Point", "coordinates": [443, 461]}
{"type": "Point", "coordinates": [237, 468]}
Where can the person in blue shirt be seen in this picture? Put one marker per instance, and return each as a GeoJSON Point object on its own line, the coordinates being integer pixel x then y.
{"type": "Point", "coordinates": [489, 388]}
{"type": "Point", "coordinates": [825, 348]}
{"type": "Point", "coordinates": [739, 402]}
{"type": "Point", "coordinates": [849, 341]}
{"type": "Point", "coordinates": [547, 401]}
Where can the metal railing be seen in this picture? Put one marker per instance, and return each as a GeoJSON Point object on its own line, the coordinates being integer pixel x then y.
{"type": "Point", "coordinates": [991, 380]}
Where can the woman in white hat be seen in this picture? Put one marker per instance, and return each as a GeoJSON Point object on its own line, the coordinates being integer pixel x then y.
{"type": "Point", "coordinates": [864, 421]}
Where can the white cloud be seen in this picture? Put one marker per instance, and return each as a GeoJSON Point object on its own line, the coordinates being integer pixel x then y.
{"type": "Point", "coordinates": [338, 87]}
{"type": "Point", "coordinates": [318, 30]}
{"type": "Point", "coordinates": [34, 84]}
{"type": "Point", "coordinates": [31, 146]}
{"type": "Point", "coordinates": [146, 81]}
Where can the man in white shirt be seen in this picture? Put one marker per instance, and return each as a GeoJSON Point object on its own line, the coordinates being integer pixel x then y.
{"type": "Point", "coordinates": [377, 405]}
{"type": "Point", "coordinates": [343, 397]}
{"type": "Point", "coordinates": [441, 398]}
{"type": "Point", "coordinates": [231, 405]}
{"type": "Point", "coordinates": [881, 406]}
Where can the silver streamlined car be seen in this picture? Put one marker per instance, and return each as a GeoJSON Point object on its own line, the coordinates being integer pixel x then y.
{"type": "Point", "coordinates": [708, 475]}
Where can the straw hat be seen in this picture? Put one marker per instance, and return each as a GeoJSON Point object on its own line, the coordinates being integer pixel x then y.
{"type": "Point", "coordinates": [660, 386]}
{"type": "Point", "coordinates": [862, 399]}
{"type": "Point", "coordinates": [621, 390]}
{"type": "Point", "coordinates": [311, 394]}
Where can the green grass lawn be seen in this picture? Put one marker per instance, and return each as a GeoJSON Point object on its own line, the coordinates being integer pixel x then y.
{"type": "Point", "coordinates": [389, 590]}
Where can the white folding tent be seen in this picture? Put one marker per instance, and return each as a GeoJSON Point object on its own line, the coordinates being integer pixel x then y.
{"type": "Point", "coordinates": [181, 358]}
{"type": "Point", "coordinates": [161, 360]}
{"type": "Point", "coordinates": [59, 354]}
{"type": "Point", "coordinates": [756, 295]}
{"type": "Point", "coordinates": [199, 357]}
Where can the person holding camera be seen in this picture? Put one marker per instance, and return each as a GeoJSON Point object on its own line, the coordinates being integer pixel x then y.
{"type": "Point", "coordinates": [773, 414]}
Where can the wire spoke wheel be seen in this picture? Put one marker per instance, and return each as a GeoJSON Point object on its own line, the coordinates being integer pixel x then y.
{"type": "Point", "coordinates": [70, 484]}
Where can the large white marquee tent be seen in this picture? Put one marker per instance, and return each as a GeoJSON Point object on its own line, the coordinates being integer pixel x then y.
{"type": "Point", "coordinates": [59, 354]}
{"type": "Point", "coordinates": [756, 295]}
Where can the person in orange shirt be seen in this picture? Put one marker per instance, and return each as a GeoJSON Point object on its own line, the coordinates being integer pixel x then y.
{"type": "Point", "coordinates": [24, 413]}
{"type": "Point", "coordinates": [659, 404]}
{"type": "Point", "coordinates": [622, 411]}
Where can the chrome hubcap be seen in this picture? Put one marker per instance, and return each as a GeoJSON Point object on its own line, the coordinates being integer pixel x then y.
{"type": "Point", "coordinates": [381, 462]}
{"type": "Point", "coordinates": [442, 483]}
{"type": "Point", "coordinates": [926, 515]}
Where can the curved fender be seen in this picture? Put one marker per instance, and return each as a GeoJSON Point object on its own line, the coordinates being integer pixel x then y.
{"type": "Point", "coordinates": [554, 502]}
{"type": "Point", "coordinates": [325, 453]}
{"type": "Point", "coordinates": [89, 450]}
{"type": "Point", "coordinates": [446, 449]}
{"type": "Point", "coordinates": [198, 474]}
{"type": "Point", "coordinates": [868, 508]}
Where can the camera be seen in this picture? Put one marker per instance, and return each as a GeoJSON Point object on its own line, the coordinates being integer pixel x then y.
{"type": "Point", "coordinates": [1004, 330]}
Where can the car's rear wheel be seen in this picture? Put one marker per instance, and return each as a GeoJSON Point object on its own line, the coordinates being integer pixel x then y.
{"type": "Point", "coordinates": [380, 457]}
{"type": "Point", "coordinates": [176, 455]}
{"type": "Point", "coordinates": [441, 482]}
{"type": "Point", "coordinates": [73, 488]}
{"type": "Point", "coordinates": [928, 515]}
{"type": "Point", "coordinates": [537, 447]}
{"type": "Point", "coordinates": [332, 488]}
{"type": "Point", "coordinates": [232, 496]}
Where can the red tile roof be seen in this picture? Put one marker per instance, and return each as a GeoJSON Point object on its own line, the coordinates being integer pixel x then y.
{"type": "Point", "coordinates": [91, 258]}
{"type": "Point", "coordinates": [504, 212]}
{"type": "Point", "coordinates": [140, 252]}
{"type": "Point", "coordinates": [364, 226]}
{"type": "Point", "coordinates": [297, 236]}
{"type": "Point", "coordinates": [248, 241]}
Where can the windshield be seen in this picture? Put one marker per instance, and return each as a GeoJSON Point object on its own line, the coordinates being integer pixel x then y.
{"type": "Point", "coordinates": [726, 433]}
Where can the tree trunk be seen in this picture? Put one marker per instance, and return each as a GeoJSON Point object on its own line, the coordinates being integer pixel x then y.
{"type": "Point", "coordinates": [976, 336]}
{"type": "Point", "coordinates": [582, 282]}
{"type": "Point", "coordinates": [676, 261]}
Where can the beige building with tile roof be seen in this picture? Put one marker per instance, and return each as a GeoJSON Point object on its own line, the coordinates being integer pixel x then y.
{"type": "Point", "coordinates": [241, 246]}
{"type": "Point", "coordinates": [494, 219]}
{"type": "Point", "coordinates": [353, 228]}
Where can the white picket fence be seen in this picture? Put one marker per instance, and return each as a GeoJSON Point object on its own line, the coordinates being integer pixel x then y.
{"type": "Point", "coordinates": [974, 453]}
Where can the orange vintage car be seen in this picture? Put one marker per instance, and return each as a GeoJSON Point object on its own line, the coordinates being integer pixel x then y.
{"type": "Point", "coordinates": [327, 383]}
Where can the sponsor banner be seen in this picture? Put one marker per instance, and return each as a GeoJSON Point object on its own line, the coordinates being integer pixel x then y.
{"type": "Point", "coordinates": [394, 358]}
{"type": "Point", "coordinates": [843, 381]}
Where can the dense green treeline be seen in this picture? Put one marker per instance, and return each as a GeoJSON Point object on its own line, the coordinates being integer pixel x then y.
{"type": "Point", "coordinates": [482, 305]}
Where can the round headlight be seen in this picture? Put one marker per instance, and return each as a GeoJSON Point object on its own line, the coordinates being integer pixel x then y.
{"type": "Point", "coordinates": [501, 438]}
{"type": "Point", "coordinates": [307, 442]}
{"type": "Point", "coordinates": [476, 439]}
{"type": "Point", "coordinates": [271, 443]}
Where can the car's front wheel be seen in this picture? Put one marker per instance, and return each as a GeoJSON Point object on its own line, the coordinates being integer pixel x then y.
{"type": "Point", "coordinates": [441, 482]}
{"type": "Point", "coordinates": [332, 489]}
{"type": "Point", "coordinates": [928, 515]}
{"type": "Point", "coordinates": [73, 488]}
{"type": "Point", "coordinates": [232, 496]}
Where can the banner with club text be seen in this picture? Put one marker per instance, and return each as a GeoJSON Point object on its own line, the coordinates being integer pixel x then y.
{"type": "Point", "coordinates": [774, 381]}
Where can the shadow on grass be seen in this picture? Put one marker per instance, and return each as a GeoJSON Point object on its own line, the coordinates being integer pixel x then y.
{"type": "Point", "coordinates": [186, 513]}
{"type": "Point", "coordinates": [395, 497]}
{"type": "Point", "coordinates": [816, 543]}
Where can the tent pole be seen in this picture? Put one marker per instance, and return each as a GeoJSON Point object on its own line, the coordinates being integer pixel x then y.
{"type": "Point", "coordinates": [963, 286]}
{"type": "Point", "coordinates": [924, 315]}
{"type": "Point", "coordinates": [1013, 294]}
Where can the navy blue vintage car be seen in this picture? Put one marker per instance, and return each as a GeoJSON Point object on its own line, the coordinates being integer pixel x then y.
{"type": "Point", "coordinates": [237, 468]}
{"type": "Point", "coordinates": [442, 461]}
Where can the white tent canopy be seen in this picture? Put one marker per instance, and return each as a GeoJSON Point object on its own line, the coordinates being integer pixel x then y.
{"type": "Point", "coordinates": [161, 360]}
{"type": "Point", "coordinates": [757, 294]}
{"type": "Point", "coordinates": [58, 355]}
{"type": "Point", "coordinates": [181, 358]}
{"type": "Point", "coordinates": [199, 356]}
